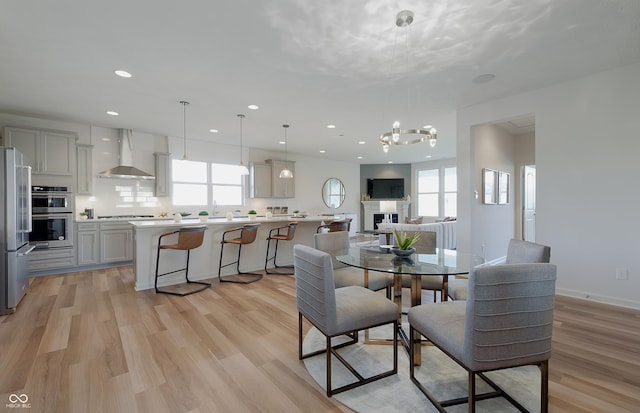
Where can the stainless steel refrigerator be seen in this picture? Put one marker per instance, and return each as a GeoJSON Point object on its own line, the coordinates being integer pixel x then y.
{"type": "Point", "coordinates": [15, 225]}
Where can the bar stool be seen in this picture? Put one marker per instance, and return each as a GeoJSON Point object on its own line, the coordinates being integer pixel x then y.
{"type": "Point", "coordinates": [248, 234]}
{"type": "Point", "coordinates": [188, 239]}
{"type": "Point", "coordinates": [291, 230]}
{"type": "Point", "coordinates": [335, 226]}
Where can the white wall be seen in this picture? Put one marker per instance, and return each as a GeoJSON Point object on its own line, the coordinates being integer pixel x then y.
{"type": "Point", "coordinates": [586, 150]}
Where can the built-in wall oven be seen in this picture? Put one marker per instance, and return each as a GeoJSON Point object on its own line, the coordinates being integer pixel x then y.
{"type": "Point", "coordinates": [52, 217]}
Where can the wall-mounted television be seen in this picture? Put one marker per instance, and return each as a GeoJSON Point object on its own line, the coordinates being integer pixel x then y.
{"type": "Point", "coordinates": [381, 188]}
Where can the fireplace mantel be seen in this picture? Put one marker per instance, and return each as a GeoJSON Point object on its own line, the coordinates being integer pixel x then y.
{"type": "Point", "coordinates": [373, 207]}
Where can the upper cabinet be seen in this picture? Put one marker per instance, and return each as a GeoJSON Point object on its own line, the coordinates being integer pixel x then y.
{"type": "Point", "coordinates": [85, 169]}
{"type": "Point", "coordinates": [259, 180]}
{"type": "Point", "coordinates": [163, 174]}
{"type": "Point", "coordinates": [282, 187]}
{"type": "Point", "coordinates": [48, 153]}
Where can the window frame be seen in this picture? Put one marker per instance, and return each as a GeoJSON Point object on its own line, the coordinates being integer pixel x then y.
{"type": "Point", "coordinates": [442, 192]}
{"type": "Point", "coordinates": [210, 184]}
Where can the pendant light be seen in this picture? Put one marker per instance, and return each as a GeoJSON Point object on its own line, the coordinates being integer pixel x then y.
{"type": "Point", "coordinates": [243, 169]}
{"type": "Point", "coordinates": [285, 173]}
{"type": "Point", "coordinates": [184, 114]}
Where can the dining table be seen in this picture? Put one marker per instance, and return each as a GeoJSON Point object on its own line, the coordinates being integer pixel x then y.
{"type": "Point", "coordinates": [422, 263]}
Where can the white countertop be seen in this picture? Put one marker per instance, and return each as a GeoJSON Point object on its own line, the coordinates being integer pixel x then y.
{"type": "Point", "coordinates": [147, 223]}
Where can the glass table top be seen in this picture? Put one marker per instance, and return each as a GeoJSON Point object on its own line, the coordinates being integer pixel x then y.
{"type": "Point", "coordinates": [437, 262]}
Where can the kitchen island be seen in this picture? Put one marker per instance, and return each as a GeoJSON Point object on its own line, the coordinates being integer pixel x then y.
{"type": "Point", "coordinates": [205, 260]}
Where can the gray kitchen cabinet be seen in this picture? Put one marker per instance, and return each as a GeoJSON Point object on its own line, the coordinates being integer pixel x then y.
{"type": "Point", "coordinates": [84, 176]}
{"type": "Point", "coordinates": [48, 152]}
{"type": "Point", "coordinates": [44, 261]}
{"type": "Point", "coordinates": [116, 242]}
{"type": "Point", "coordinates": [163, 174]}
{"type": "Point", "coordinates": [282, 187]}
{"type": "Point", "coordinates": [259, 180]}
{"type": "Point", "coordinates": [87, 243]}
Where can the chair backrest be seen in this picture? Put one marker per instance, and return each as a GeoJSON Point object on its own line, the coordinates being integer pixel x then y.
{"type": "Point", "coordinates": [315, 292]}
{"type": "Point", "coordinates": [291, 231]}
{"type": "Point", "coordinates": [509, 315]}
{"type": "Point", "coordinates": [333, 243]}
{"type": "Point", "coordinates": [521, 252]}
{"type": "Point", "coordinates": [248, 233]}
{"type": "Point", "coordinates": [190, 237]}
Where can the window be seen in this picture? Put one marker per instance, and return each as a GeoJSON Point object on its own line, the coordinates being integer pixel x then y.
{"type": "Point", "coordinates": [197, 183]}
{"type": "Point", "coordinates": [437, 192]}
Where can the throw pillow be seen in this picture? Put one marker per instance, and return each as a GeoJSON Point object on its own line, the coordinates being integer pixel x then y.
{"type": "Point", "coordinates": [408, 220]}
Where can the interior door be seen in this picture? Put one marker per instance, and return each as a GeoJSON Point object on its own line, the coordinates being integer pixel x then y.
{"type": "Point", "coordinates": [529, 203]}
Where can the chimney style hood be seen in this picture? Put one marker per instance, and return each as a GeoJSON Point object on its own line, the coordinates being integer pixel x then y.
{"type": "Point", "coordinates": [124, 170]}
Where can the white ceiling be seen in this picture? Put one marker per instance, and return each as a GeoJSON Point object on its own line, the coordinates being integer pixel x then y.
{"type": "Point", "coordinates": [305, 63]}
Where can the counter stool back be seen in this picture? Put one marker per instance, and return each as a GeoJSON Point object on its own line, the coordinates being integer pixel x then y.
{"type": "Point", "coordinates": [247, 234]}
{"type": "Point", "coordinates": [188, 238]}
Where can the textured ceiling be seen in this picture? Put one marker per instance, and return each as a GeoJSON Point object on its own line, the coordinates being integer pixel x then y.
{"type": "Point", "coordinates": [304, 63]}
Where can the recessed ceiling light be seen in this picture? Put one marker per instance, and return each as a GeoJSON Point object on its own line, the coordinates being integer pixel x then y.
{"type": "Point", "coordinates": [105, 139]}
{"type": "Point", "coordinates": [390, 162]}
{"type": "Point", "coordinates": [253, 107]}
{"type": "Point", "coordinates": [427, 127]}
{"type": "Point", "coordinates": [361, 143]}
{"type": "Point", "coordinates": [213, 130]}
{"type": "Point", "coordinates": [112, 113]}
{"type": "Point", "coordinates": [322, 151]}
{"type": "Point", "coordinates": [282, 142]}
{"type": "Point", "coordinates": [428, 156]}
{"type": "Point", "coordinates": [485, 78]}
{"type": "Point", "coordinates": [122, 73]}
{"type": "Point", "coordinates": [331, 126]}
{"type": "Point", "coordinates": [359, 157]}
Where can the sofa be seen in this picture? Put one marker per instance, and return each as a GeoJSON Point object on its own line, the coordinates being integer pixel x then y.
{"type": "Point", "coordinates": [445, 231]}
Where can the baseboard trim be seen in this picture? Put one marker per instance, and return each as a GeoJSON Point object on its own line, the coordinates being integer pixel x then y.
{"type": "Point", "coordinates": [619, 302]}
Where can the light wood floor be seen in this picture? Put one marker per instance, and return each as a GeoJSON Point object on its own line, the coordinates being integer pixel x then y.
{"type": "Point", "coordinates": [87, 342]}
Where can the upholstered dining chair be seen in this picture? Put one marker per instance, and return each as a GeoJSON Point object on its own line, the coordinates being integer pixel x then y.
{"type": "Point", "coordinates": [337, 243]}
{"type": "Point", "coordinates": [505, 322]}
{"type": "Point", "coordinates": [338, 311]}
{"type": "Point", "coordinates": [426, 244]}
{"type": "Point", "coordinates": [518, 252]}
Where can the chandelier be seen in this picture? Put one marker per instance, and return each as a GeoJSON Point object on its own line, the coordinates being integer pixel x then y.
{"type": "Point", "coordinates": [398, 136]}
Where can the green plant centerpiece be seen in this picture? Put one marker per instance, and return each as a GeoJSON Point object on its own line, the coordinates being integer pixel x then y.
{"type": "Point", "coordinates": [252, 214]}
{"type": "Point", "coordinates": [404, 243]}
{"type": "Point", "coordinates": [204, 216]}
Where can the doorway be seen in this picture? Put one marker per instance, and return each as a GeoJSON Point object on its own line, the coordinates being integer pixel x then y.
{"type": "Point", "coordinates": [529, 203]}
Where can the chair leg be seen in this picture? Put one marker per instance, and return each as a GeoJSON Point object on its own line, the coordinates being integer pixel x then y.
{"type": "Point", "coordinates": [275, 264]}
{"type": "Point", "coordinates": [472, 393]}
{"type": "Point", "coordinates": [544, 386]}
{"type": "Point", "coordinates": [240, 277]}
{"type": "Point", "coordinates": [329, 392]}
{"type": "Point", "coordinates": [204, 285]}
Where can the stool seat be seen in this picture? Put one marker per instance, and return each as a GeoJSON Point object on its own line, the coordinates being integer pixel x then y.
{"type": "Point", "coordinates": [188, 238]}
{"type": "Point", "coordinates": [277, 236]}
{"type": "Point", "coordinates": [247, 235]}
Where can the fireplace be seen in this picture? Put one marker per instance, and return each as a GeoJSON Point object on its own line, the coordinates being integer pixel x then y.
{"type": "Point", "coordinates": [373, 207]}
{"type": "Point", "coordinates": [378, 218]}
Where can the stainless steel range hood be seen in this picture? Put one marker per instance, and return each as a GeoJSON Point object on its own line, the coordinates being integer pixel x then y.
{"type": "Point", "coordinates": [125, 170]}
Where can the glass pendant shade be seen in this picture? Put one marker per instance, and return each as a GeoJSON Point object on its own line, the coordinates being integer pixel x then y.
{"type": "Point", "coordinates": [285, 173]}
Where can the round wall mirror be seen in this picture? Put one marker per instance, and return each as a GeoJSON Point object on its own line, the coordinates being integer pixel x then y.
{"type": "Point", "coordinates": [333, 193]}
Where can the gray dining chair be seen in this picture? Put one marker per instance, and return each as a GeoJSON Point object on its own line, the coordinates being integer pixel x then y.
{"type": "Point", "coordinates": [518, 252]}
{"type": "Point", "coordinates": [426, 244]}
{"type": "Point", "coordinates": [506, 322]}
{"type": "Point", "coordinates": [338, 311]}
{"type": "Point", "coordinates": [337, 243]}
